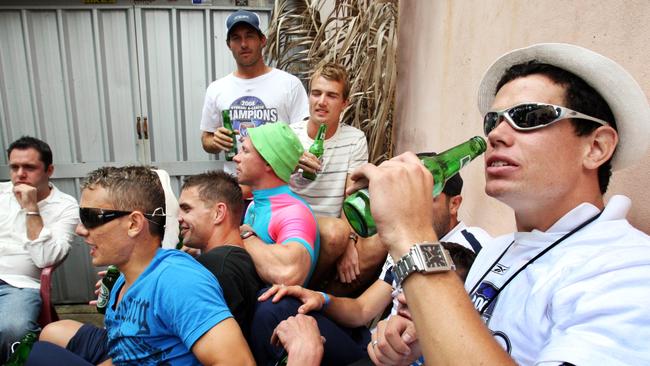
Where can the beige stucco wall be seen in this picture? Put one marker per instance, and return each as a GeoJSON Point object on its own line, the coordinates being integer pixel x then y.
{"type": "Point", "coordinates": [445, 46]}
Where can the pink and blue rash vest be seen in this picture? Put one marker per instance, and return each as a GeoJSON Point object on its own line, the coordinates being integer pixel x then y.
{"type": "Point", "coordinates": [277, 215]}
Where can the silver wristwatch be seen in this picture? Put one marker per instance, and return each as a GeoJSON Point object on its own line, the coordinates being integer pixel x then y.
{"type": "Point", "coordinates": [425, 258]}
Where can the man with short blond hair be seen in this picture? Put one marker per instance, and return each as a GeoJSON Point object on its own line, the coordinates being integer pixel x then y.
{"type": "Point", "coordinates": [345, 148]}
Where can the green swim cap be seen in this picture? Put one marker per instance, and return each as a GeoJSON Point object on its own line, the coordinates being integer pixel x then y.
{"type": "Point", "coordinates": [279, 146]}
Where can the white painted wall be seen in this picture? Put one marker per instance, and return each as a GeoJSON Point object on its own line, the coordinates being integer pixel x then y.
{"type": "Point", "coordinates": [445, 46]}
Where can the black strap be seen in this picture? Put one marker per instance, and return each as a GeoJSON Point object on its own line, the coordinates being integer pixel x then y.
{"type": "Point", "coordinates": [471, 239]}
{"type": "Point", "coordinates": [539, 255]}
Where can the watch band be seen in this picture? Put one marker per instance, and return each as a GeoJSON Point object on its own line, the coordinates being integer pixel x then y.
{"type": "Point", "coordinates": [424, 258]}
{"type": "Point", "coordinates": [247, 234]}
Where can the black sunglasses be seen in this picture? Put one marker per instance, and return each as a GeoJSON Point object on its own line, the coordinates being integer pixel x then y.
{"type": "Point", "coordinates": [92, 217]}
{"type": "Point", "coordinates": [531, 116]}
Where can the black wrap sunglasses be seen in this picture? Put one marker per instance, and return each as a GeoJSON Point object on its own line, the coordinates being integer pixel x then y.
{"type": "Point", "coordinates": [92, 217]}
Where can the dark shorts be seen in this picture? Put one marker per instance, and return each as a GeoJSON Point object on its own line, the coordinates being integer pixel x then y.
{"type": "Point", "coordinates": [90, 343]}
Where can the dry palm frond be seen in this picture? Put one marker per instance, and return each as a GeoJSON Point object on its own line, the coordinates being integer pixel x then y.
{"type": "Point", "coordinates": [359, 34]}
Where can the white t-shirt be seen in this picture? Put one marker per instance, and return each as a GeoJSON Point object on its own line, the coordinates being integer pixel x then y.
{"type": "Point", "coordinates": [456, 235]}
{"type": "Point", "coordinates": [584, 302]}
{"type": "Point", "coordinates": [346, 150]}
{"type": "Point", "coordinates": [21, 259]}
{"type": "Point", "coordinates": [274, 96]}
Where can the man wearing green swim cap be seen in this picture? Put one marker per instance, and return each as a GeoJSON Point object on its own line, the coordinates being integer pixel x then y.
{"type": "Point", "coordinates": [280, 230]}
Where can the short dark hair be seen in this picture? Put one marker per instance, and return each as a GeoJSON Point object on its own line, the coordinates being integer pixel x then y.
{"type": "Point", "coordinates": [132, 188]}
{"type": "Point", "coordinates": [463, 257]}
{"type": "Point", "coordinates": [28, 142]}
{"type": "Point", "coordinates": [454, 185]}
{"type": "Point", "coordinates": [580, 97]}
{"type": "Point", "coordinates": [218, 186]}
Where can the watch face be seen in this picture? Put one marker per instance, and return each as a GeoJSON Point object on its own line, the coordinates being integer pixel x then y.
{"type": "Point", "coordinates": [433, 255]}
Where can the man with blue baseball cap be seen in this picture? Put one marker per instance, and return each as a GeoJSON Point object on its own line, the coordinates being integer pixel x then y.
{"type": "Point", "coordinates": [254, 94]}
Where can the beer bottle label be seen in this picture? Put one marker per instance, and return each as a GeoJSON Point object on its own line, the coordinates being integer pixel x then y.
{"type": "Point", "coordinates": [104, 294]}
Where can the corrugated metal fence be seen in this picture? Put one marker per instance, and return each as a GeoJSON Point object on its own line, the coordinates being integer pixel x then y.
{"type": "Point", "coordinates": [79, 77]}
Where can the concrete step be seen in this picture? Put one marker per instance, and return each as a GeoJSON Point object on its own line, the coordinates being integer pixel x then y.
{"type": "Point", "coordinates": [82, 312]}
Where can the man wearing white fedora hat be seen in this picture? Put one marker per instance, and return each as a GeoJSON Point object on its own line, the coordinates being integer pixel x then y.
{"type": "Point", "coordinates": [571, 286]}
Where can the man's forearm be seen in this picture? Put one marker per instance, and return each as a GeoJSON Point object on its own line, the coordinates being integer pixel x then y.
{"type": "Point", "coordinates": [34, 225]}
{"type": "Point", "coordinates": [345, 311]}
{"type": "Point", "coordinates": [357, 312]}
{"type": "Point", "coordinates": [279, 263]}
{"type": "Point", "coordinates": [52, 243]}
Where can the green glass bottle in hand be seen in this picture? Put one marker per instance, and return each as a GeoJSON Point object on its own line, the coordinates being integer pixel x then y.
{"type": "Point", "coordinates": [22, 350]}
{"type": "Point", "coordinates": [442, 166]}
{"type": "Point", "coordinates": [225, 117]}
{"type": "Point", "coordinates": [317, 149]}
{"type": "Point", "coordinates": [112, 273]}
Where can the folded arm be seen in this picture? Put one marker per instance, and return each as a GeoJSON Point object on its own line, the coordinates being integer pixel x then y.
{"type": "Point", "coordinates": [287, 263]}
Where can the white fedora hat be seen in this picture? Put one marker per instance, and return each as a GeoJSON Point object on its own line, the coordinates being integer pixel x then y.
{"type": "Point", "coordinates": [619, 89]}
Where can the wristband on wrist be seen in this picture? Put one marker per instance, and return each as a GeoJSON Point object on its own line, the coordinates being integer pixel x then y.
{"type": "Point", "coordinates": [33, 213]}
{"type": "Point", "coordinates": [327, 299]}
{"type": "Point", "coordinates": [247, 234]}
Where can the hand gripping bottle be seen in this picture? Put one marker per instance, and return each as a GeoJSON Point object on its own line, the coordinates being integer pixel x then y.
{"type": "Point", "coordinates": [112, 273]}
{"type": "Point", "coordinates": [442, 166]}
{"type": "Point", "coordinates": [225, 116]}
{"type": "Point", "coordinates": [317, 149]}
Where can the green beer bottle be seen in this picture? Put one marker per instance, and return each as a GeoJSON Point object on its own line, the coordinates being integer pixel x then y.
{"type": "Point", "coordinates": [225, 116]}
{"type": "Point", "coordinates": [112, 273]}
{"type": "Point", "coordinates": [442, 166]}
{"type": "Point", "coordinates": [20, 355]}
{"type": "Point", "coordinates": [317, 149]}
{"type": "Point", "coordinates": [179, 245]}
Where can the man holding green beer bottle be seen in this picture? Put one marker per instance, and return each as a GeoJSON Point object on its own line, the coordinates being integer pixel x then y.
{"type": "Point", "coordinates": [570, 287]}
{"type": "Point", "coordinates": [165, 308]}
{"type": "Point", "coordinates": [344, 149]}
{"type": "Point", "coordinates": [254, 93]}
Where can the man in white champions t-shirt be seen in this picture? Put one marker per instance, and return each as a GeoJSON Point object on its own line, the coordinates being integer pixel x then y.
{"type": "Point", "coordinates": [572, 285]}
{"type": "Point", "coordinates": [254, 93]}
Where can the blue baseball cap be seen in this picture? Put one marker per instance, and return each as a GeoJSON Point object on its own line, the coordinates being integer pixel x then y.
{"type": "Point", "coordinates": [243, 16]}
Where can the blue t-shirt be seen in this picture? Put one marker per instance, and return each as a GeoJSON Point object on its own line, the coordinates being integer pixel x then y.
{"type": "Point", "coordinates": [168, 308]}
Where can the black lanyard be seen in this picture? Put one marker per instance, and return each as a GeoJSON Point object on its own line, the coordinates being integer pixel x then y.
{"type": "Point", "coordinates": [487, 303]}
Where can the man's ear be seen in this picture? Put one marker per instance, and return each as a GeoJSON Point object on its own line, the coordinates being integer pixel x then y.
{"type": "Point", "coordinates": [220, 212]}
{"type": "Point", "coordinates": [454, 204]}
{"type": "Point", "coordinates": [49, 171]}
{"type": "Point", "coordinates": [137, 223]}
{"type": "Point", "coordinates": [602, 144]}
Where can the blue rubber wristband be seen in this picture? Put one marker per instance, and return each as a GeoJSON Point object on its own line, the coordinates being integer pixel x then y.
{"type": "Point", "coordinates": [327, 299]}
